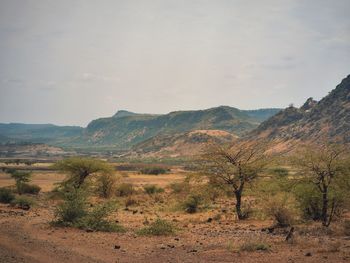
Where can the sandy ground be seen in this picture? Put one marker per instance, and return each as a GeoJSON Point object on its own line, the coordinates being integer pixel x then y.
{"type": "Point", "coordinates": [26, 236]}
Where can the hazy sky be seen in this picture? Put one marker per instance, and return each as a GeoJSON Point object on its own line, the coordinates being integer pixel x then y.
{"type": "Point", "coordinates": [68, 62]}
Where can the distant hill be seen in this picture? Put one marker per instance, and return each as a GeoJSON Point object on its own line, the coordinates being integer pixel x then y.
{"type": "Point", "coordinates": [37, 133]}
{"type": "Point", "coordinates": [180, 145]}
{"type": "Point", "coordinates": [126, 129]}
{"type": "Point", "coordinates": [327, 119]}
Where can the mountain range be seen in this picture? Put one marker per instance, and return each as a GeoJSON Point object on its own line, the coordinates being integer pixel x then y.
{"type": "Point", "coordinates": [125, 129]}
{"type": "Point", "coordinates": [183, 133]}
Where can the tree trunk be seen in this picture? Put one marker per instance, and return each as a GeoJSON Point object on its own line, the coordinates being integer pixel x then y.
{"type": "Point", "coordinates": [324, 208]}
{"type": "Point", "coordinates": [238, 195]}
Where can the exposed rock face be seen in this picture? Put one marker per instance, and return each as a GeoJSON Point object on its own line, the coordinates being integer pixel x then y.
{"type": "Point", "coordinates": [328, 119]}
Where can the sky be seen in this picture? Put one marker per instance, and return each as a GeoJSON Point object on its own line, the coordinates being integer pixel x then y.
{"type": "Point", "coordinates": [69, 62]}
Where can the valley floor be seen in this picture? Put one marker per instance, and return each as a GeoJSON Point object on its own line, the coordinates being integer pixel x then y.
{"type": "Point", "coordinates": [26, 236]}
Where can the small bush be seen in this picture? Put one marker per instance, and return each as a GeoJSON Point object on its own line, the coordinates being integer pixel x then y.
{"type": "Point", "coordinates": [254, 246]}
{"type": "Point", "coordinates": [192, 203]}
{"type": "Point", "coordinates": [280, 208]}
{"type": "Point", "coordinates": [74, 212]}
{"type": "Point", "coordinates": [154, 170]}
{"type": "Point", "coordinates": [30, 189]}
{"type": "Point", "coordinates": [130, 201]}
{"type": "Point", "coordinates": [106, 184]}
{"type": "Point", "coordinates": [178, 188]}
{"type": "Point", "coordinates": [96, 219]}
{"type": "Point", "coordinates": [124, 189]}
{"type": "Point", "coordinates": [310, 201]}
{"type": "Point", "coordinates": [158, 228]}
{"type": "Point", "coordinates": [73, 208]}
{"type": "Point", "coordinates": [152, 189]}
{"type": "Point", "coordinates": [6, 196]}
{"type": "Point", "coordinates": [22, 202]}
{"type": "Point", "coordinates": [21, 179]}
{"type": "Point", "coordinates": [280, 172]}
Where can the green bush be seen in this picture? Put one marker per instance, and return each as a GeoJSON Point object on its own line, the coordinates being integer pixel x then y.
{"type": "Point", "coordinates": [280, 172]}
{"type": "Point", "coordinates": [158, 228]}
{"type": "Point", "coordinates": [124, 189]}
{"type": "Point", "coordinates": [72, 209]}
{"type": "Point", "coordinates": [192, 203]}
{"type": "Point", "coordinates": [6, 196]}
{"type": "Point", "coordinates": [30, 189]}
{"type": "Point", "coordinates": [154, 170]}
{"type": "Point", "coordinates": [310, 201]}
{"type": "Point", "coordinates": [96, 219]}
{"type": "Point", "coordinates": [21, 179]}
{"type": "Point", "coordinates": [22, 202]}
{"type": "Point", "coordinates": [152, 189]}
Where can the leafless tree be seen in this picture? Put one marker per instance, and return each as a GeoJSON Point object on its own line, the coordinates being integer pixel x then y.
{"type": "Point", "coordinates": [325, 166]}
{"type": "Point", "coordinates": [235, 166]}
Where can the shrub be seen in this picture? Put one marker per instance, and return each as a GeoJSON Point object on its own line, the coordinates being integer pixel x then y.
{"type": "Point", "coordinates": [251, 246]}
{"type": "Point", "coordinates": [152, 189]}
{"type": "Point", "coordinates": [72, 209]}
{"type": "Point", "coordinates": [6, 195]}
{"type": "Point", "coordinates": [158, 228]}
{"type": "Point", "coordinates": [310, 201]}
{"type": "Point", "coordinates": [74, 212]}
{"type": "Point", "coordinates": [129, 201]}
{"type": "Point", "coordinates": [22, 202]}
{"type": "Point", "coordinates": [192, 203]}
{"type": "Point", "coordinates": [124, 189]}
{"type": "Point", "coordinates": [154, 170]}
{"type": "Point", "coordinates": [178, 188]}
{"type": "Point", "coordinates": [96, 219]}
{"type": "Point", "coordinates": [280, 172]}
{"type": "Point", "coordinates": [30, 189]}
{"type": "Point", "coordinates": [280, 207]}
{"type": "Point", "coordinates": [106, 185]}
{"type": "Point", "coordinates": [282, 216]}
{"type": "Point", "coordinates": [21, 179]}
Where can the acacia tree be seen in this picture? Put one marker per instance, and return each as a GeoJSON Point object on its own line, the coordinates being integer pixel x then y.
{"type": "Point", "coordinates": [80, 168]}
{"type": "Point", "coordinates": [21, 178]}
{"type": "Point", "coordinates": [325, 166]}
{"type": "Point", "coordinates": [235, 166]}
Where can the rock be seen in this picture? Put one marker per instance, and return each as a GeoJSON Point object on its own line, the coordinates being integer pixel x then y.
{"type": "Point", "coordinates": [176, 239]}
{"type": "Point", "coordinates": [171, 246]}
{"type": "Point", "coordinates": [308, 254]}
{"type": "Point", "coordinates": [116, 247]}
{"type": "Point", "coordinates": [193, 251]}
{"type": "Point", "coordinates": [162, 246]}
{"type": "Point", "coordinates": [89, 230]}
{"type": "Point", "coordinates": [209, 219]}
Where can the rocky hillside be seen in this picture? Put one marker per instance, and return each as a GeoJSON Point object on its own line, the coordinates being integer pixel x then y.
{"type": "Point", "coordinates": [126, 129]}
{"type": "Point", "coordinates": [327, 119]}
{"type": "Point", "coordinates": [183, 144]}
